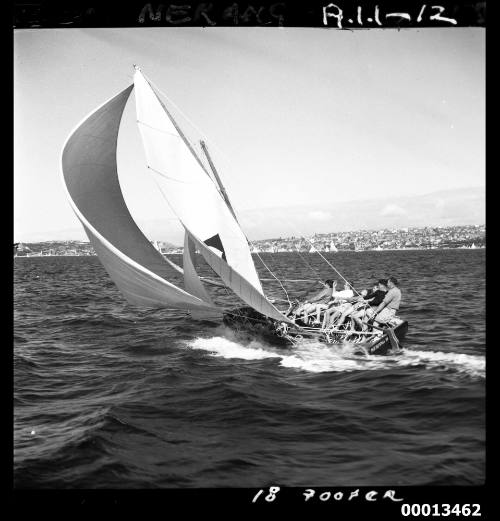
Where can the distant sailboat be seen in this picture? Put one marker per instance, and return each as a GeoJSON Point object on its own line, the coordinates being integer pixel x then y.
{"type": "Point", "coordinates": [333, 248]}
{"type": "Point", "coordinates": [201, 204]}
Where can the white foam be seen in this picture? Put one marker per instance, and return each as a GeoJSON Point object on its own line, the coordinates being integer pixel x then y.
{"type": "Point", "coordinates": [318, 357]}
{"type": "Point", "coordinates": [473, 365]}
{"type": "Point", "coordinates": [220, 346]}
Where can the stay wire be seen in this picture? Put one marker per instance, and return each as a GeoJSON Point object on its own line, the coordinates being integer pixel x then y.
{"type": "Point", "coordinates": [273, 275]}
{"type": "Point", "coordinates": [227, 159]}
{"type": "Point", "coordinates": [322, 256]}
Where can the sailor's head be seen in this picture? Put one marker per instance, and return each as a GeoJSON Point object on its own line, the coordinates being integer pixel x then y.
{"type": "Point", "coordinates": [363, 292]}
{"type": "Point", "coordinates": [392, 282]}
{"type": "Point", "coordinates": [330, 283]}
{"type": "Point", "coordinates": [382, 284]}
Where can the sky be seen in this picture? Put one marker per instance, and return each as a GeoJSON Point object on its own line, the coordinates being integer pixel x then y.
{"type": "Point", "coordinates": [295, 117]}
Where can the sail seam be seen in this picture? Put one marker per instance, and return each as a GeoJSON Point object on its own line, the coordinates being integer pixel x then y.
{"type": "Point", "coordinates": [159, 129]}
{"type": "Point", "coordinates": [176, 126]}
{"type": "Point", "coordinates": [166, 176]}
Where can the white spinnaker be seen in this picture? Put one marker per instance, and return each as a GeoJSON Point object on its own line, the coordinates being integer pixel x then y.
{"type": "Point", "coordinates": [90, 177]}
{"type": "Point", "coordinates": [238, 283]}
{"type": "Point", "coordinates": [188, 189]}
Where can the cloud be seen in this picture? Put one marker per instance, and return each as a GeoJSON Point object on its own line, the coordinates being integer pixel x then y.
{"type": "Point", "coordinates": [392, 209]}
{"type": "Point", "coordinates": [319, 215]}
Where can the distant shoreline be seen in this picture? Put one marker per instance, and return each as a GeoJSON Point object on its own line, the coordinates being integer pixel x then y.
{"type": "Point", "coordinates": [279, 252]}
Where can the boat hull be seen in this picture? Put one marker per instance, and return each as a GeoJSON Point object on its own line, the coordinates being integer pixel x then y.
{"type": "Point", "coordinates": [249, 324]}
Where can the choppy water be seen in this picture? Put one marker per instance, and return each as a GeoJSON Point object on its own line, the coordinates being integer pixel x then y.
{"type": "Point", "coordinates": [110, 396]}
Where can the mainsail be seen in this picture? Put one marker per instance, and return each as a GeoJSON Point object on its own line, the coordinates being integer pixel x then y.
{"type": "Point", "coordinates": [196, 200]}
{"type": "Point", "coordinates": [190, 192]}
{"type": "Point", "coordinates": [90, 177]}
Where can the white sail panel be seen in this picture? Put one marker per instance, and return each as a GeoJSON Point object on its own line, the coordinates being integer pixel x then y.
{"type": "Point", "coordinates": [239, 284]}
{"type": "Point", "coordinates": [192, 282]}
{"type": "Point", "coordinates": [188, 189]}
{"type": "Point", "coordinates": [90, 178]}
{"type": "Point", "coordinates": [194, 285]}
{"type": "Point", "coordinates": [140, 286]}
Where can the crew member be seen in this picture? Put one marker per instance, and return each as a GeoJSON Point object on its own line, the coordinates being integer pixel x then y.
{"type": "Point", "coordinates": [386, 310]}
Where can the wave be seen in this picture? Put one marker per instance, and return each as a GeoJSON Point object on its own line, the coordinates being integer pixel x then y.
{"type": "Point", "coordinates": [318, 357]}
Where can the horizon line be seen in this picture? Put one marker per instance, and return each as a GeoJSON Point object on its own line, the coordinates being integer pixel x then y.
{"type": "Point", "coordinates": [289, 236]}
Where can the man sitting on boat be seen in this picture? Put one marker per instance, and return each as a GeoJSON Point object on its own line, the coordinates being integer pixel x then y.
{"type": "Point", "coordinates": [373, 298]}
{"type": "Point", "coordinates": [386, 310]}
{"type": "Point", "coordinates": [322, 297]}
{"type": "Point", "coordinates": [338, 305]}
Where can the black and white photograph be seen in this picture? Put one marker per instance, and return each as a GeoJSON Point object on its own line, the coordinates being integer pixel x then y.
{"type": "Point", "coordinates": [249, 257]}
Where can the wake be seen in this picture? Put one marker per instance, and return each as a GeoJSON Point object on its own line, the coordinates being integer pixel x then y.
{"type": "Point", "coordinates": [317, 357]}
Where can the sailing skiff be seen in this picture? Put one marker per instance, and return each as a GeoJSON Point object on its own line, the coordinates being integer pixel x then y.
{"type": "Point", "coordinates": [187, 178]}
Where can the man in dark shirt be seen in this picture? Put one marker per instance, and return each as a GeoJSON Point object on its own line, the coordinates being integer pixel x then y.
{"type": "Point", "coordinates": [374, 299]}
{"type": "Point", "coordinates": [387, 309]}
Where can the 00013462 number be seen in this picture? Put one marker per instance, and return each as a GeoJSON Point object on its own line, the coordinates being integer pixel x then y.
{"type": "Point", "coordinates": [440, 510]}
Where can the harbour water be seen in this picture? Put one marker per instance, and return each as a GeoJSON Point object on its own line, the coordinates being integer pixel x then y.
{"type": "Point", "coordinates": [106, 395]}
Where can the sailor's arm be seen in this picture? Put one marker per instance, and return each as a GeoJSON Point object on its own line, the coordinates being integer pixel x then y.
{"type": "Point", "coordinates": [320, 295]}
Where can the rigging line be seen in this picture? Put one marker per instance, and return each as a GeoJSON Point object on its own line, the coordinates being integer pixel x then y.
{"type": "Point", "coordinates": [168, 203]}
{"type": "Point", "coordinates": [174, 123]}
{"type": "Point", "coordinates": [222, 153]}
{"type": "Point", "coordinates": [185, 140]}
{"type": "Point", "coordinates": [191, 146]}
{"type": "Point", "coordinates": [309, 265]}
{"type": "Point", "coordinates": [215, 145]}
{"type": "Point", "coordinates": [292, 280]}
{"type": "Point", "coordinates": [257, 252]}
{"type": "Point", "coordinates": [180, 111]}
{"type": "Point", "coordinates": [322, 256]}
{"type": "Point", "coordinates": [228, 161]}
{"type": "Point", "coordinates": [269, 270]}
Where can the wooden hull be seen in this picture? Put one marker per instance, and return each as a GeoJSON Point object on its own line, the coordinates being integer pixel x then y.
{"type": "Point", "coordinates": [249, 324]}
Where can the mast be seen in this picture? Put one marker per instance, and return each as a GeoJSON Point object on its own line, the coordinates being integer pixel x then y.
{"type": "Point", "coordinates": [218, 179]}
